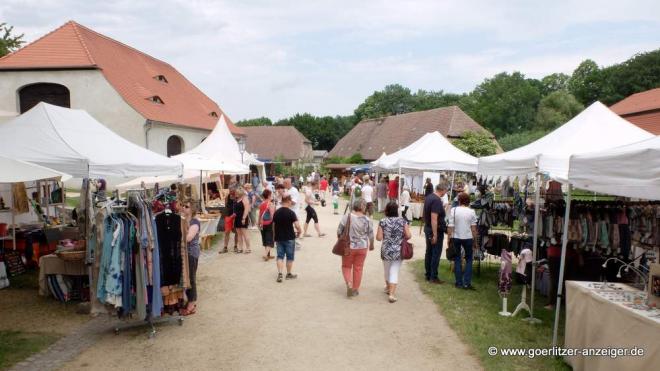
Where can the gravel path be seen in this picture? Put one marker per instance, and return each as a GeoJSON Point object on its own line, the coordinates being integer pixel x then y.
{"type": "Point", "coordinates": [247, 321]}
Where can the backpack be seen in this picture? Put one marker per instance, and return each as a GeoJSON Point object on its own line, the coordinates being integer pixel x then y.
{"type": "Point", "coordinates": [358, 191]}
{"type": "Point", "coordinates": [266, 217]}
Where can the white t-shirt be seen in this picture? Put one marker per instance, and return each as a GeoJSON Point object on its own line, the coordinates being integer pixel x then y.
{"type": "Point", "coordinates": [445, 199]}
{"type": "Point", "coordinates": [405, 198]}
{"type": "Point", "coordinates": [295, 198]}
{"type": "Point", "coordinates": [368, 193]}
{"type": "Point", "coordinates": [462, 219]}
{"type": "Point", "coordinates": [309, 195]}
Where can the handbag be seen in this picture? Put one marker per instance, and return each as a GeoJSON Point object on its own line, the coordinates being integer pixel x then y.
{"type": "Point", "coordinates": [450, 253]}
{"type": "Point", "coordinates": [343, 245]}
{"type": "Point", "coordinates": [406, 249]}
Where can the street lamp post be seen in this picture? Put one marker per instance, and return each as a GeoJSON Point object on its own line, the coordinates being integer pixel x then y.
{"type": "Point", "coordinates": [241, 147]}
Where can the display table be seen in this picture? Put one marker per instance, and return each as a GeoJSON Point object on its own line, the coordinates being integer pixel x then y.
{"type": "Point", "coordinates": [598, 318]}
{"type": "Point", "coordinates": [52, 264]}
{"type": "Point", "coordinates": [207, 229]}
{"type": "Point", "coordinates": [415, 210]}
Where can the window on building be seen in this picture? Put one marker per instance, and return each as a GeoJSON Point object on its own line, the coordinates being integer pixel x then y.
{"type": "Point", "coordinates": [161, 78]}
{"type": "Point", "coordinates": [30, 95]}
{"type": "Point", "coordinates": [174, 145]}
{"type": "Point", "coordinates": [156, 99]}
{"type": "Point", "coordinates": [213, 114]}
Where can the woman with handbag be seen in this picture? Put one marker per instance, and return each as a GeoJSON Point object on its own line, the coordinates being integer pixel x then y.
{"type": "Point", "coordinates": [393, 230]}
{"type": "Point", "coordinates": [361, 235]}
{"type": "Point", "coordinates": [462, 231]}
{"type": "Point", "coordinates": [266, 212]}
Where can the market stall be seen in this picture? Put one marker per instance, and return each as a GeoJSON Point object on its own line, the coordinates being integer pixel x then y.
{"type": "Point", "coordinates": [631, 170]}
{"type": "Point", "coordinates": [431, 152]}
{"type": "Point", "coordinates": [15, 173]}
{"type": "Point", "coordinates": [595, 128]}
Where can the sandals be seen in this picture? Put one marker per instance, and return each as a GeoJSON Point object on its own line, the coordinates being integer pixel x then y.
{"type": "Point", "coordinates": [248, 251]}
{"type": "Point", "coordinates": [279, 277]}
{"type": "Point", "coordinates": [188, 312]}
{"type": "Point", "coordinates": [236, 249]}
{"type": "Point", "coordinates": [322, 235]}
{"type": "Point", "coordinates": [223, 251]}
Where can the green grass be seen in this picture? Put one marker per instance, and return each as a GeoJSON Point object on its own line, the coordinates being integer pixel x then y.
{"type": "Point", "coordinates": [16, 346]}
{"type": "Point", "coordinates": [474, 316]}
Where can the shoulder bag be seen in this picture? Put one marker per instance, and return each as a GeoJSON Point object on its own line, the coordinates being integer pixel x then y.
{"type": "Point", "coordinates": [406, 247]}
{"type": "Point", "coordinates": [343, 245]}
{"type": "Point", "coordinates": [450, 253]}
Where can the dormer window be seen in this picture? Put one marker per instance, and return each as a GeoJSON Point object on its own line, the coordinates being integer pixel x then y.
{"type": "Point", "coordinates": [156, 99]}
{"type": "Point", "coordinates": [213, 114]}
{"type": "Point", "coordinates": [161, 78]}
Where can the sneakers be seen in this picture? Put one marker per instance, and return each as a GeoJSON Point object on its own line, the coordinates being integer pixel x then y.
{"type": "Point", "coordinates": [279, 277]}
{"type": "Point", "coordinates": [291, 276]}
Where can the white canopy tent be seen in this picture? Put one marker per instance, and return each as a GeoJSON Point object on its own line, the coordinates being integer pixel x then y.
{"type": "Point", "coordinates": [632, 170]}
{"type": "Point", "coordinates": [73, 142]}
{"type": "Point", "coordinates": [16, 171]}
{"type": "Point", "coordinates": [595, 128]}
{"type": "Point", "coordinates": [430, 152]}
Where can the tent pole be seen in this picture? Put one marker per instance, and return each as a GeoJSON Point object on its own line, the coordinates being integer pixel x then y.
{"type": "Point", "coordinates": [564, 245]}
{"type": "Point", "coordinates": [535, 241]}
{"type": "Point", "coordinates": [399, 199]}
{"type": "Point", "coordinates": [451, 190]}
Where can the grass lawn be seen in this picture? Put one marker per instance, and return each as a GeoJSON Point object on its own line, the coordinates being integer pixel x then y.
{"type": "Point", "coordinates": [16, 345]}
{"type": "Point", "coordinates": [474, 316]}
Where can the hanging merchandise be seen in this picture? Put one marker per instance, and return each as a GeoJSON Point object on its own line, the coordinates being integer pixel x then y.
{"type": "Point", "coordinates": [21, 205]}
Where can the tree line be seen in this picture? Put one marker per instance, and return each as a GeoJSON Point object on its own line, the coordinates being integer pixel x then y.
{"type": "Point", "coordinates": [516, 109]}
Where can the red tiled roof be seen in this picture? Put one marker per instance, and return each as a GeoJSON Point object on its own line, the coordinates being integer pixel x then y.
{"type": "Point", "coordinates": [639, 102]}
{"type": "Point", "coordinates": [131, 72]}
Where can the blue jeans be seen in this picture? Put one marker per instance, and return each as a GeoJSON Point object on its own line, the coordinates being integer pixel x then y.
{"type": "Point", "coordinates": [433, 252]}
{"type": "Point", "coordinates": [286, 249]}
{"type": "Point", "coordinates": [463, 279]}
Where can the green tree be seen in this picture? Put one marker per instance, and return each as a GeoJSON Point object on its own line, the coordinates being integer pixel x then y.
{"type": "Point", "coordinates": [586, 82]}
{"type": "Point", "coordinates": [355, 158]}
{"type": "Point", "coordinates": [425, 100]}
{"type": "Point", "coordinates": [9, 42]}
{"type": "Point", "coordinates": [261, 121]}
{"type": "Point", "coordinates": [323, 132]}
{"type": "Point", "coordinates": [393, 99]}
{"type": "Point", "coordinates": [637, 74]}
{"type": "Point", "coordinates": [556, 109]}
{"type": "Point", "coordinates": [505, 103]}
{"type": "Point", "coordinates": [513, 141]}
{"type": "Point", "coordinates": [476, 143]}
{"type": "Point", "coordinates": [554, 82]}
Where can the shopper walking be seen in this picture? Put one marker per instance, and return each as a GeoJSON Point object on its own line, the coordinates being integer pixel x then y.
{"type": "Point", "coordinates": [242, 210]}
{"type": "Point", "coordinates": [310, 202]}
{"type": "Point", "coordinates": [192, 240]}
{"type": "Point", "coordinates": [368, 195]}
{"type": "Point", "coordinates": [381, 194]}
{"type": "Point", "coordinates": [229, 216]}
{"type": "Point", "coordinates": [254, 201]}
{"type": "Point", "coordinates": [405, 202]}
{"type": "Point", "coordinates": [266, 212]}
{"type": "Point", "coordinates": [284, 221]}
{"type": "Point", "coordinates": [361, 235]}
{"type": "Point", "coordinates": [392, 230]}
{"type": "Point", "coordinates": [393, 189]}
{"type": "Point", "coordinates": [434, 226]}
{"type": "Point", "coordinates": [323, 187]}
{"type": "Point", "coordinates": [462, 230]}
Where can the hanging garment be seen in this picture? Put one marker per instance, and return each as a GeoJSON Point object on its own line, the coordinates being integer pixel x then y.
{"type": "Point", "coordinates": [20, 202]}
{"type": "Point", "coordinates": [168, 226]}
{"type": "Point", "coordinates": [504, 286]}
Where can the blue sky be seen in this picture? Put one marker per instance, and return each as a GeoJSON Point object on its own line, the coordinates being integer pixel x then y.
{"type": "Point", "coordinates": [276, 58]}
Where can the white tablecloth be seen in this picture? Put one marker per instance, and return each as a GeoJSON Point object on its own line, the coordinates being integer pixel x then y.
{"type": "Point", "coordinates": [208, 227]}
{"type": "Point", "coordinates": [415, 210]}
{"type": "Point", "coordinates": [592, 321]}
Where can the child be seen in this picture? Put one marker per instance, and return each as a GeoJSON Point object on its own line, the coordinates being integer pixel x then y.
{"type": "Point", "coordinates": [335, 202]}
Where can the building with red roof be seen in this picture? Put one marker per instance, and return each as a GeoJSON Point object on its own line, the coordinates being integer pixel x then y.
{"type": "Point", "coordinates": [141, 98]}
{"type": "Point", "coordinates": [642, 109]}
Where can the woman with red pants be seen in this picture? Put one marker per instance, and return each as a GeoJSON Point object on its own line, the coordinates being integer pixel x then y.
{"type": "Point", "coordinates": [361, 234]}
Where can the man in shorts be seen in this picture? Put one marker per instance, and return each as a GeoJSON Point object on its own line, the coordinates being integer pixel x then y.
{"type": "Point", "coordinates": [284, 221]}
{"type": "Point", "coordinates": [311, 212]}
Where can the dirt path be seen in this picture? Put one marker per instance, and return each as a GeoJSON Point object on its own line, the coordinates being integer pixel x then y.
{"type": "Point", "coordinates": [247, 321]}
